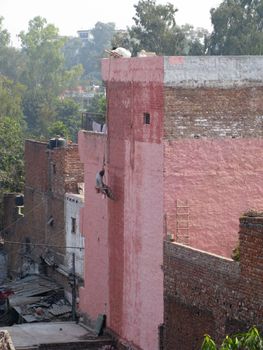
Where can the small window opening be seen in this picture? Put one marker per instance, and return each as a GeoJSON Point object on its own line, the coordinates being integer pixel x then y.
{"type": "Point", "coordinates": [50, 221]}
{"type": "Point", "coordinates": [73, 225]}
{"type": "Point", "coordinates": [27, 245]}
{"type": "Point", "coordinates": [54, 168]}
{"type": "Point", "coordinates": [146, 118]}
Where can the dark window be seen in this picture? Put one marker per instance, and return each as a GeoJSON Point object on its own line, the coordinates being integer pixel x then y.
{"type": "Point", "coordinates": [28, 248]}
{"type": "Point", "coordinates": [73, 225]}
{"type": "Point", "coordinates": [146, 118]}
{"type": "Point", "coordinates": [50, 221]}
{"type": "Point", "coordinates": [54, 169]}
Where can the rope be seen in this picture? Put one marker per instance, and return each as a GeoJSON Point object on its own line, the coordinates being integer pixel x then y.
{"type": "Point", "coordinates": [105, 153]}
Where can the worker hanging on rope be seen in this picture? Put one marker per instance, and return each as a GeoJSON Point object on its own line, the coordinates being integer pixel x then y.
{"type": "Point", "coordinates": [101, 187]}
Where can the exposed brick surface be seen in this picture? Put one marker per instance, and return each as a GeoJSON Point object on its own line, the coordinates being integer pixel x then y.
{"type": "Point", "coordinates": [49, 175]}
{"type": "Point", "coordinates": [204, 293]}
{"type": "Point", "coordinates": [213, 112]}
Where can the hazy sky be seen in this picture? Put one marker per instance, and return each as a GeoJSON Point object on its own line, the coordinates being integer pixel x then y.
{"type": "Point", "coordinates": [72, 15]}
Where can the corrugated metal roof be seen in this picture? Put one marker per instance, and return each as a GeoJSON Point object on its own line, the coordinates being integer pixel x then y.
{"type": "Point", "coordinates": [31, 286]}
{"type": "Point", "coordinates": [58, 310]}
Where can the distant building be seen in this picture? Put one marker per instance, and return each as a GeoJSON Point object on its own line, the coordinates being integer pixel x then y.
{"type": "Point", "coordinates": [85, 34]}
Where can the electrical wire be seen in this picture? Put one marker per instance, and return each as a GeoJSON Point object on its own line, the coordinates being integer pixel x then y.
{"type": "Point", "coordinates": [44, 245]}
{"type": "Point", "coordinates": [22, 217]}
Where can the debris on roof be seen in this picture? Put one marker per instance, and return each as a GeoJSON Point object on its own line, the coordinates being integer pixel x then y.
{"type": "Point", "coordinates": [35, 299]}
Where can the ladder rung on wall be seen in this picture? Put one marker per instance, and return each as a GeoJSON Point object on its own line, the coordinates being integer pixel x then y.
{"type": "Point", "coordinates": [182, 221]}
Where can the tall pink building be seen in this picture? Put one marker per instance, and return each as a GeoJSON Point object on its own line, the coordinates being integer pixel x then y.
{"type": "Point", "coordinates": [183, 158]}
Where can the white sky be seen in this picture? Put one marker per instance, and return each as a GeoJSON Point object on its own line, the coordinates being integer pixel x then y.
{"type": "Point", "coordinates": [72, 15]}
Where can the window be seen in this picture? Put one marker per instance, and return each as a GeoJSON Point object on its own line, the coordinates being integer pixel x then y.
{"type": "Point", "coordinates": [146, 118]}
{"type": "Point", "coordinates": [54, 168]}
{"type": "Point", "coordinates": [50, 221]}
{"type": "Point", "coordinates": [73, 225]}
{"type": "Point", "coordinates": [27, 245]}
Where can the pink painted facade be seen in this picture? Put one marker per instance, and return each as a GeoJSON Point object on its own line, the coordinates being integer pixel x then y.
{"type": "Point", "coordinates": [94, 294]}
{"type": "Point", "coordinates": [149, 167]}
{"type": "Point", "coordinates": [220, 179]}
{"type": "Point", "coordinates": [135, 226]}
{"type": "Point", "coordinates": [124, 238]}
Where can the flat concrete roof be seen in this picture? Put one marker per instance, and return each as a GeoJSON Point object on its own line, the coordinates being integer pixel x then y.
{"type": "Point", "coordinates": [187, 71]}
{"type": "Point", "coordinates": [30, 334]}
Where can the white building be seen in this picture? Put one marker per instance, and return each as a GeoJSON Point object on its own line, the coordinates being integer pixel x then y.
{"type": "Point", "coordinates": [74, 238]}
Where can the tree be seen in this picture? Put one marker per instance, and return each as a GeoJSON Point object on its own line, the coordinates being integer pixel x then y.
{"type": "Point", "coordinates": [11, 155]}
{"type": "Point", "coordinates": [251, 340]}
{"type": "Point", "coordinates": [90, 50]}
{"type": "Point", "coordinates": [98, 106]}
{"type": "Point", "coordinates": [10, 58]}
{"type": "Point", "coordinates": [195, 40]}
{"type": "Point", "coordinates": [58, 128]}
{"type": "Point", "coordinates": [4, 35]}
{"type": "Point", "coordinates": [44, 74]}
{"type": "Point", "coordinates": [10, 99]}
{"type": "Point", "coordinates": [238, 28]}
{"type": "Point", "coordinates": [12, 129]}
{"type": "Point", "coordinates": [68, 113]}
{"type": "Point", "coordinates": [155, 29]}
{"type": "Point", "coordinates": [122, 38]}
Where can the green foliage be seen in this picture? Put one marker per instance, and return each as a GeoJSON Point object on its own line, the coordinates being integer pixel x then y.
{"type": "Point", "coordinates": [44, 74]}
{"type": "Point", "coordinates": [10, 98]}
{"type": "Point", "coordinates": [10, 58]}
{"type": "Point", "coordinates": [208, 343]}
{"type": "Point", "coordinates": [195, 42]}
{"type": "Point", "coordinates": [11, 155]}
{"type": "Point", "coordinates": [238, 28]}
{"type": "Point", "coordinates": [98, 105]}
{"type": "Point", "coordinates": [155, 29]}
{"type": "Point", "coordinates": [122, 38]}
{"type": "Point", "coordinates": [67, 112]}
{"type": "Point", "coordinates": [12, 128]}
{"type": "Point", "coordinates": [89, 51]}
{"type": "Point", "coordinates": [12, 63]}
{"type": "Point", "coordinates": [236, 253]}
{"type": "Point", "coordinates": [39, 110]}
{"type": "Point", "coordinates": [250, 340]}
{"type": "Point", "coordinates": [4, 35]}
{"type": "Point", "coordinates": [57, 128]}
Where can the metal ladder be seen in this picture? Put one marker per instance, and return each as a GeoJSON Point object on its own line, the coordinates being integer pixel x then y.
{"type": "Point", "coordinates": [182, 221]}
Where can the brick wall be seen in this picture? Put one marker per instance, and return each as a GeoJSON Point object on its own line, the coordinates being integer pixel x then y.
{"type": "Point", "coordinates": [36, 165]}
{"type": "Point", "coordinates": [212, 135]}
{"type": "Point", "coordinates": [205, 293]}
{"type": "Point", "coordinates": [213, 112]}
{"type": "Point", "coordinates": [48, 175]}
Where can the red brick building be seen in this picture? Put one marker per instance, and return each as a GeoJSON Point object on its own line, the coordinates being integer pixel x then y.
{"type": "Point", "coordinates": [209, 294]}
{"type": "Point", "coordinates": [49, 174]}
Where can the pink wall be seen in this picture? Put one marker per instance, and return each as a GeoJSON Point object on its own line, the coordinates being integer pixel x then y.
{"type": "Point", "coordinates": [135, 162]}
{"type": "Point", "coordinates": [94, 295]}
{"type": "Point", "coordinates": [143, 237]}
{"type": "Point", "coordinates": [220, 178]}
